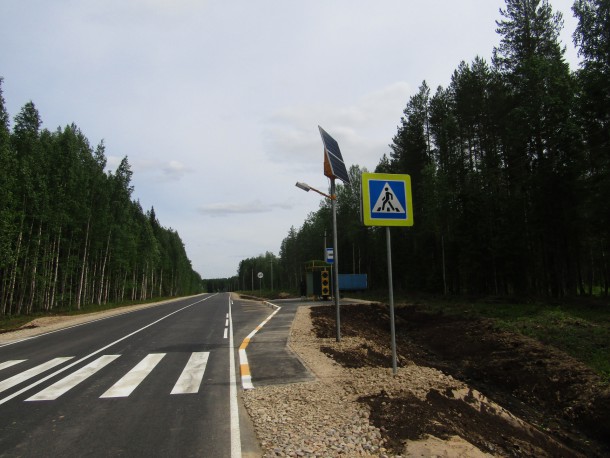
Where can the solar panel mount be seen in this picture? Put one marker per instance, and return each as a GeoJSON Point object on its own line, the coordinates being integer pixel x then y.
{"type": "Point", "coordinates": [334, 167]}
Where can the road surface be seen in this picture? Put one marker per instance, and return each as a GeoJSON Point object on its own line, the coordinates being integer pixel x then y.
{"type": "Point", "coordinates": [161, 381]}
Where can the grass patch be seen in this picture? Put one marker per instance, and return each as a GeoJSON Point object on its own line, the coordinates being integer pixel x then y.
{"type": "Point", "coordinates": [585, 338]}
{"type": "Point", "coordinates": [579, 328]}
{"type": "Point", "coordinates": [15, 322]}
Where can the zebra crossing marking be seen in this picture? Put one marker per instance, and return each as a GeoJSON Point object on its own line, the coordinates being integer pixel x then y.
{"type": "Point", "coordinates": [130, 381]}
{"type": "Point", "coordinates": [6, 364]}
{"type": "Point", "coordinates": [192, 375]}
{"type": "Point", "coordinates": [96, 352]}
{"type": "Point", "coordinates": [33, 372]}
{"type": "Point", "coordinates": [67, 383]}
{"type": "Point", "coordinates": [188, 382]}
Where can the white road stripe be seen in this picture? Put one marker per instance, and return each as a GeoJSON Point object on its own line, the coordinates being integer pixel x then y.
{"type": "Point", "coordinates": [192, 375]}
{"type": "Point", "coordinates": [65, 368]}
{"type": "Point", "coordinates": [233, 406]}
{"type": "Point", "coordinates": [34, 371]}
{"type": "Point", "coordinates": [246, 379]}
{"type": "Point", "coordinates": [6, 364]}
{"type": "Point", "coordinates": [226, 333]}
{"type": "Point", "coordinates": [134, 377]}
{"type": "Point", "coordinates": [69, 382]}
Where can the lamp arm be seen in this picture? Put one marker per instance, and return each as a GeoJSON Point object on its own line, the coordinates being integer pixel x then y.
{"type": "Point", "coordinates": [328, 196]}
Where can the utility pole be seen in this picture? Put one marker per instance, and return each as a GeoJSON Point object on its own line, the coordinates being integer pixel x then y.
{"type": "Point", "coordinates": [271, 262]}
{"type": "Point", "coordinates": [336, 258]}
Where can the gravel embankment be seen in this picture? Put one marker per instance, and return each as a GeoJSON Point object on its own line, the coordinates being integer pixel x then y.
{"type": "Point", "coordinates": [325, 419]}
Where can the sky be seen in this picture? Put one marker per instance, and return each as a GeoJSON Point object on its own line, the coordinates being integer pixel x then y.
{"type": "Point", "coordinates": [217, 104]}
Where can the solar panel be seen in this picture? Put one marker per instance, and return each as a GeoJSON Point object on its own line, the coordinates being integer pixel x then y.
{"type": "Point", "coordinates": [333, 158]}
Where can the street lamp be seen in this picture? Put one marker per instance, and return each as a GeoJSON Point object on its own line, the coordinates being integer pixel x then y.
{"type": "Point", "coordinates": [333, 198]}
{"type": "Point", "coordinates": [334, 167]}
{"type": "Point", "coordinates": [305, 187]}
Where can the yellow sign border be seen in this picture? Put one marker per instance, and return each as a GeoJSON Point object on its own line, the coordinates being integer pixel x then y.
{"type": "Point", "coordinates": [365, 199]}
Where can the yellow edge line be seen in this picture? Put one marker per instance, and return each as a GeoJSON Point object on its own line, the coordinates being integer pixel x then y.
{"type": "Point", "coordinates": [244, 366]}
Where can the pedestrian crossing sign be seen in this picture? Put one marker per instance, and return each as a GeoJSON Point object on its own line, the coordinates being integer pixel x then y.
{"type": "Point", "coordinates": [386, 199]}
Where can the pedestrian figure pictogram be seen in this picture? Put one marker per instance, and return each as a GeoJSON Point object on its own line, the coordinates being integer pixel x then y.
{"type": "Point", "coordinates": [386, 199]}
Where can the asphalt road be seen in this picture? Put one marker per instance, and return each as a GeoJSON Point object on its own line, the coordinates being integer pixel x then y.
{"type": "Point", "coordinates": [162, 381]}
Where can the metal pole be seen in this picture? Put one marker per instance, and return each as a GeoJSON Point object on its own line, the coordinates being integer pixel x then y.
{"type": "Point", "coordinates": [391, 293]}
{"type": "Point", "coordinates": [324, 253]}
{"type": "Point", "coordinates": [271, 262]}
{"type": "Point", "coordinates": [336, 257]}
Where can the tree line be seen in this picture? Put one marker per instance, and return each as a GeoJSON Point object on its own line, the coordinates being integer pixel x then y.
{"type": "Point", "coordinates": [70, 233]}
{"type": "Point", "coordinates": [247, 276]}
{"type": "Point", "coordinates": [510, 167]}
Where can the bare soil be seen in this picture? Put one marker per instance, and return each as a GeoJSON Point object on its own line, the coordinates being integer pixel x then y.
{"type": "Point", "coordinates": [567, 403]}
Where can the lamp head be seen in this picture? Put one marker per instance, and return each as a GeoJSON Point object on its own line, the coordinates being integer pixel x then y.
{"type": "Point", "coordinates": [303, 186]}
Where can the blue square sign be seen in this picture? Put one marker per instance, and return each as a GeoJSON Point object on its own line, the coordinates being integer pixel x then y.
{"type": "Point", "coordinates": [386, 199]}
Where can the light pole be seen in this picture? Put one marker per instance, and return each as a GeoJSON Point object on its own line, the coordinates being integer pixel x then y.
{"type": "Point", "coordinates": [271, 262]}
{"type": "Point", "coordinates": [333, 198]}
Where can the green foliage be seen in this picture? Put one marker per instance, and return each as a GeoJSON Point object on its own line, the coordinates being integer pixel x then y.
{"type": "Point", "coordinates": [247, 274]}
{"type": "Point", "coordinates": [510, 168]}
{"type": "Point", "coordinates": [70, 235]}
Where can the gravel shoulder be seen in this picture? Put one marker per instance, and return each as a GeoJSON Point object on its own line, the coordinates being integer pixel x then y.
{"type": "Point", "coordinates": [325, 418]}
{"type": "Point", "coordinates": [358, 408]}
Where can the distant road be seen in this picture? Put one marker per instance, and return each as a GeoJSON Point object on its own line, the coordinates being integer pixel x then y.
{"type": "Point", "coordinates": [161, 381]}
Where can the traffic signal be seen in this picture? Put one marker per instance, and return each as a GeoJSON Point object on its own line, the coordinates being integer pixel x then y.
{"type": "Point", "coordinates": [325, 278]}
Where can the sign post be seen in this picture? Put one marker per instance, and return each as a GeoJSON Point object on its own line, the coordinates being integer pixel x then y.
{"type": "Point", "coordinates": [386, 201]}
{"type": "Point", "coordinates": [334, 167]}
{"type": "Point", "coordinates": [260, 283]}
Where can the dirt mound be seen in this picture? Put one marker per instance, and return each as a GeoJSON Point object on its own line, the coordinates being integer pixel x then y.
{"type": "Point", "coordinates": [444, 415]}
{"type": "Point", "coordinates": [565, 400]}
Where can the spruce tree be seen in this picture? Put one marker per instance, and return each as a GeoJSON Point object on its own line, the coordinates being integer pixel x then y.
{"type": "Point", "coordinates": [592, 37]}
{"type": "Point", "coordinates": [540, 147]}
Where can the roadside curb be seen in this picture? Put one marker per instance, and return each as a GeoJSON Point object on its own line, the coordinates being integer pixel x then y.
{"type": "Point", "coordinates": [244, 367]}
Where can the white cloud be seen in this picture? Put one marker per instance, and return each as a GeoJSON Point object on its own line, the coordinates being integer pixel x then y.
{"type": "Point", "coordinates": [233, 208]}
{"type": "Point", "coordinates": [363, 129]}
{"type": "Point", "coordinates": [174, 170]}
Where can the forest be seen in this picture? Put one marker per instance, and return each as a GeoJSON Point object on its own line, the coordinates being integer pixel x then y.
{"type": "Point", "coordinates": [70, 233]}
{"type": "Point", "coordinates": [510, 168]}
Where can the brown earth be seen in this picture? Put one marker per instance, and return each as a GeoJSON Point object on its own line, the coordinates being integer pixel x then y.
{"type": "Point", "coordinates": [567, 403]}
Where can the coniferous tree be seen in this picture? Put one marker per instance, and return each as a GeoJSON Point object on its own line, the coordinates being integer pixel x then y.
{"type": "Point", "coordinates": [540, 148]}
{"type": "Point", "coordinates": [592, 37]}
{"type": "Point", "coordinates": [510, 168]}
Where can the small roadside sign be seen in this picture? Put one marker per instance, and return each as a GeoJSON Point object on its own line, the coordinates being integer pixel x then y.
{"type": "Point", "coordinates": [386, 199]}
{"type": "Point", "coordinates": [330, 255]}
